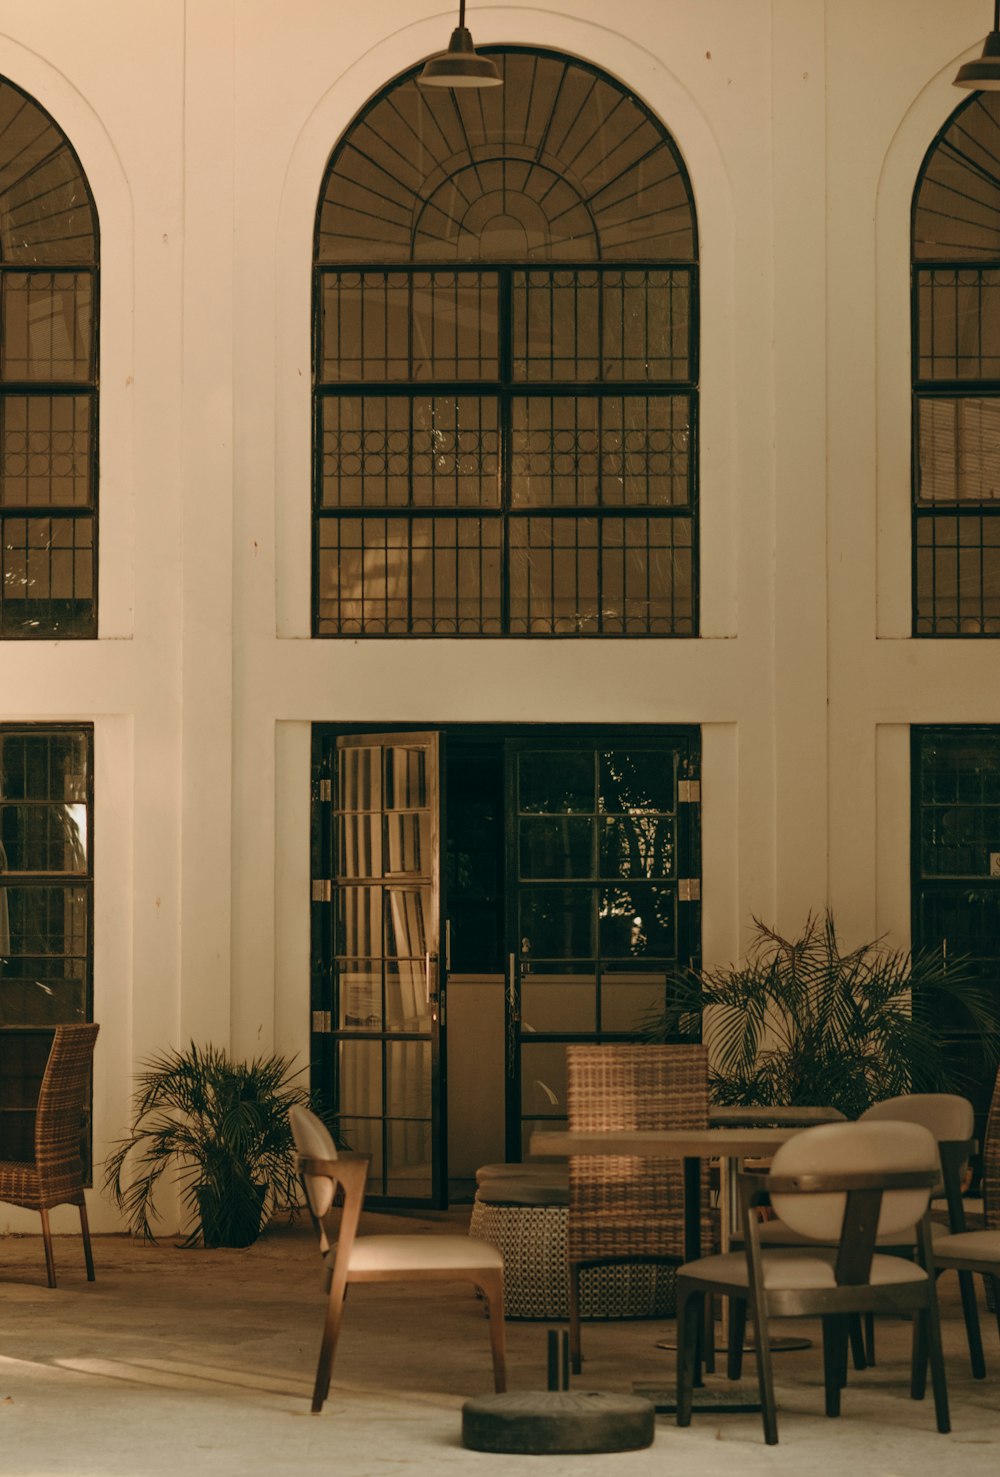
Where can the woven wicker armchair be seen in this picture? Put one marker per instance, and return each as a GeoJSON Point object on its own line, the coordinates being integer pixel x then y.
{"type": "Point", "coordinates": [629, 1210]}
{"type": "Point", "coordinates": [55, 1175]}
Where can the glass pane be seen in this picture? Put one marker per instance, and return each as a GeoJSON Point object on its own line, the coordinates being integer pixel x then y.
{"type": "Point", "coordinates": [559, 1003]}
{"type": "Point", "coordinates": [43, 920]}
{"type": "Point", "coordinates": [409, 1173]}
{"type": "Point", "coordinates": [959, 450]}
{"type": "Point", "coordinates": [359, 846]}
{"type": "Point", "coordinates": [627, 1000]}
{"type": "Point", "coordinates": [407, 846]}
{"type": "Point", "coordinates": [556, 325]}
{"type": "Point", "coordinates": [638, 846]}
{"type": "Point", "coordinates": [364, 1136]}
{"type": "Point", "coordinates": [408, 1079]}
{"type": "Point", "coordinates": [400, 576]}
{"type": "Point", "coordinates": [959, 324]}
{"type": "Point", "coordinates": [406, 1004]}
{"type": "Point", "coordinates": [35, 990]}
{"type": "Point", "coordinates": [393, 450]}
{"type": "Point", "coordinates": [568, 451]}
{"type": "Point", "coordinates": [621, 576]}
{"type": "Point", "coordinates": [45, 450]}
{"type": "Point", "coordinates": [405, 924]}
{"type": "Point", "coordinates": [47, 326]}
{"type": "Point", "coordinates": [646, 320]}
{"type": "Point", "coordinates": [960, 841]}
{"type": "Point", "coordinates": [360, 1078]}
{"type": "Point", "coordinates": [638, 922]}
{"type": "Point", "coordinates": [637, 780]}
{"type": "Point", "coordinates": [44, 766]}
{"type": "Point", "coordinates": [386, 326]}
{"type": "Point", "coordinates": [956, 207]}
{"type": "Point", "coordinates": [560, 846]}
{"type": "Point", "coordinates": [543, 1078]}
{"type": "Point", "coordinates": [47, 576]}
{"type": "Point", "coordinates": [958, 574]}
{"type": "Point", "coordinates": [359, 778]}
{"type": "Point", "coordinates": [359, 922]}
{"type": "Point", "coordinates": [554, 781]}
{"type": "Point", "coordinates": [43, 838]}
{"type": "Point", "coordinates": [359, 990]}
{"type": "Point", "coordinates": [556, 922]}
{"type": "Point", "coordinates": [963, 766]}
{"type": "Point", "coordinates": [405, 778]}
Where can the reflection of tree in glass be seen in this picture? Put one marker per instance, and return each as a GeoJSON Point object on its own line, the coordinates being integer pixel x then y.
{"type": "Point", "coordinates": [637, 800]}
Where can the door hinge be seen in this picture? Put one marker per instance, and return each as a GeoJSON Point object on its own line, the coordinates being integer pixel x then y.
{"type": "Point", "coordinates": [322, 1022]}
{"type": "Point", "coordinates": [325, 790]}
{"type": "Point", "coordinates": [689, 890]}
{"type": "Point", "coordinates": [322, 890]}
{"type": "Point", "coordinates": [689, 792]}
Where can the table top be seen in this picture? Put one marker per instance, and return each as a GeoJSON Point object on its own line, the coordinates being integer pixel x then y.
{"type": "Point", "coordinates": [758, 1117]}
{"type": "Point", "coordinates": [665, 1143]}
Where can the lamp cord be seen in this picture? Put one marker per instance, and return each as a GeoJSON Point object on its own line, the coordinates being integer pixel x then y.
{"type": "Point", "coordinates": [461, 13]}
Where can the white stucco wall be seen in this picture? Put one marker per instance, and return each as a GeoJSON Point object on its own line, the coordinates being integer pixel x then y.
{"type": "Point", "coordinates": [204, 128]}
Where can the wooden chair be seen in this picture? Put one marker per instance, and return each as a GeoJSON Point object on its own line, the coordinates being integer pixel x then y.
{"type": "Point", "coordinates": [55, 1175]}
{"type": "Point", "coordinates": [969, 1252]}
{"type": "Point", "coordinates": [629, 1210]}
{"type": "Point", "coordinates": [843, 1183]}
{"type": "Point", "coordinates": [354, 1258]}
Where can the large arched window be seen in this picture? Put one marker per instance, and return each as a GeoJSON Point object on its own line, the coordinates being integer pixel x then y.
{"type": "Point", "coordinates": [956, 377]}
{"type": "Point", "coordinates": [48, 378]}
{"type": "Point", "coordinates": [505, 304]}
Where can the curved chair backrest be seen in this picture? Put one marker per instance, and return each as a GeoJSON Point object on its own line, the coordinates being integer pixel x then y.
{"type": "Point", "coordinates": [944, 1114]}
{"type": "Point", "coordinates": [62, 1104]}
{"type": "Point", "coordinates": [882, 1147]}
{"type": "Point", "coordinates": [313, 1140]}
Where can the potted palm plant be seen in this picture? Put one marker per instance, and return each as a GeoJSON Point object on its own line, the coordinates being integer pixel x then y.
{"type": "Point", "coordinates": [804, 1023]}
{"type": "Point", "coordinates": [222, 1127]}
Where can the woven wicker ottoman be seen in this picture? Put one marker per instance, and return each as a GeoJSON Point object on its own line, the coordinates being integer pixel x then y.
{"type": "Point", "coordinates": [524, 1211]}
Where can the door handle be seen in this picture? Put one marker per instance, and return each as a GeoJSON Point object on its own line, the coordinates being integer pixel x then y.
{"type": "Point", "coordinates": [430, 969]}
{"type": "Point", "coordinates": [513, 1016]}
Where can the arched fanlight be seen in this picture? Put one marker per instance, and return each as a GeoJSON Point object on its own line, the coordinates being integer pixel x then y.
{"type": "Point", "coordinates": [460, 66]}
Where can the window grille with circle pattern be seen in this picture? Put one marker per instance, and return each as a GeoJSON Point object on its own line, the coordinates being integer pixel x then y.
{"type": "Point", "coordinates": [505, 300]}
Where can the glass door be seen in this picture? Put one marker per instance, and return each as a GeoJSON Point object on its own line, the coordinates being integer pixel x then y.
{"type": "Point", "coordinates": [603, 902]}
{"type": "Point", "coordinates": [380, 982]}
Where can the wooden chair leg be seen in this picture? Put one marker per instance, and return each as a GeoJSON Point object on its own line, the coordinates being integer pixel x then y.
{"type": "Point", "coordinates": [575, 1345]}
{"type": "Point", "coordinates": [690, 1315]}
{"type": "Point", "coordinates": [737, 1334]}
{"type": "Point", "coordinates": [857, 1338]}
{"type": "Point", "coordinates": [492, 1291]}
{"type": "Point", "coordinates": [967, 1288]}
{"type": "Point", "coordinates": [831, 1365]}
{"type": "Point", "coordinates": [765, 1379]}
{"type": "Point", "coordinates": [88, 1254]}
{"type": "Point", "coordinates": [870, 1339]}
{"type": "Point", "coordinates": [938, 1381]}
{"type": "Point", "coordinates": [708, 1334]}
{"type": "Point", "coordinates": [918, 1367]}
{"type": "Point", "coordinates": [328, 1347]}
{"type": "Point", "coordinates": [50, 1261]}
{"type": "Point", "coordinates": [996, 1299]}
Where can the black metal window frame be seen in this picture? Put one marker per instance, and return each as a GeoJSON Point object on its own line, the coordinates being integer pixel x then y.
{"type": "Point", "coordinates": [505, 389]}
{"type": "Point", "coordinates": [63, 515]}
{"type": "Point", "coordinates": [929, 522]}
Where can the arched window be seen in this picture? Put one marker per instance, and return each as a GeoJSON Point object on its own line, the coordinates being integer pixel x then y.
{"type": "Point", "coordinates": [956, 377]}
{"type": "Point", "coordinates": [505, 305]}
{"type": "Point", "coordinates": [48, 378]}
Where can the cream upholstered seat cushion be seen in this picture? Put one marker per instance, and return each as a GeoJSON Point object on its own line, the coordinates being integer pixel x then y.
{"type": "Point", "coordinates": [461, 1254]}
{"type": "Point", "coordinates": [972, 1246]}
{"type": "Point", "coordinates": [798, 1267]}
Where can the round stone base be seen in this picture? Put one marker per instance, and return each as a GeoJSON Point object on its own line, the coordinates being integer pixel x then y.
{"type": "Point", "coordinates": [534, 1423]}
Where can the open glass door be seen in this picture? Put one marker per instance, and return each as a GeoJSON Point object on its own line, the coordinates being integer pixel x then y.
{"type": "Point", "coordinates": [382, 976]}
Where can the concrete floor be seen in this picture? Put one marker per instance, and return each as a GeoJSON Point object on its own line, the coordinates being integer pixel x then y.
{"type": "Point", "coordinates": [201, 1362]}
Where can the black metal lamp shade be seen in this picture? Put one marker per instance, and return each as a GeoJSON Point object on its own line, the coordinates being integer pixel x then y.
{"type": "Point", "coordinates": [460, 66]}
{"type": "Point", "coordinates": [984, 73]}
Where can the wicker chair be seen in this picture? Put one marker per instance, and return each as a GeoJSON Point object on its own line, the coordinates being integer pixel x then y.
{"type": "Point", "coordinates": [629, 1210]}
{"type": "Point", "coordinates": [55, 1175]}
